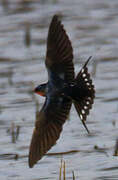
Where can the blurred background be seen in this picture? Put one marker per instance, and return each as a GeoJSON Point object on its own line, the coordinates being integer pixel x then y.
{"type": "Point", "coordinates": [92, 27]}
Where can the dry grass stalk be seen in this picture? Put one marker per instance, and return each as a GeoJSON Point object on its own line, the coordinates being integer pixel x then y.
{"type": "Point", "coordinates": [73, 175]}
{"type": "Point", "coordinates": [116, 148]}
{"type": "Point", "coordinates": [63, 169]}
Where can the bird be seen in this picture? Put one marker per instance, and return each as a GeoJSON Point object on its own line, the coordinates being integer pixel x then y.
{"type": "Point", "coordinates": [61, 90]}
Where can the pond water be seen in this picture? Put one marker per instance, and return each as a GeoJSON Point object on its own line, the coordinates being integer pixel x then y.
{"type": "Point", "coordinates": [93, 29]}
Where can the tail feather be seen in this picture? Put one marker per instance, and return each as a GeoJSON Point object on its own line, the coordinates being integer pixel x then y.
{"type": "Point", "coordinates": [78, 109]}
{"type": "Point", "coordinates": [84, 102]}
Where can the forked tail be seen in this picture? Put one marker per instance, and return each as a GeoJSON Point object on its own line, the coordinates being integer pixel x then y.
{"type": "Point", "coordinates": [83, 103]}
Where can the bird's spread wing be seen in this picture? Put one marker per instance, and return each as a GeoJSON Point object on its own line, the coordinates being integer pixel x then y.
{"type": "Point", "coordinates": [59, 52]}
{"type": "Point", "coordinates": [48, 127]}
{"type": "Point", "coordinates": [59, 62]}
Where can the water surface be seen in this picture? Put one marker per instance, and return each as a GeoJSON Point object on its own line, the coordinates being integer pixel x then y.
{"type": "Point", "coordinates": [93, 29]}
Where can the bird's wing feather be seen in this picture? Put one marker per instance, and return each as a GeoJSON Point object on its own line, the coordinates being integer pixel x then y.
{"type": "Point", "coordinates": [48, 127]}
{"type": "Point", "coordinates": [59, 57]}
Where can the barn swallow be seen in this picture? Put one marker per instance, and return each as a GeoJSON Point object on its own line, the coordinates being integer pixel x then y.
{"type": "Point", "coordinates": [61, 90]}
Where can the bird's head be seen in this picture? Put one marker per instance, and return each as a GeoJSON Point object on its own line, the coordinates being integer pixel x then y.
{"type": "Point", "coordinates": [41, 89]}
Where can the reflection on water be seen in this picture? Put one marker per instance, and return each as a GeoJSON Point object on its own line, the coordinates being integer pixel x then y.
{"type": "Point", "coordinates": [92, 26]}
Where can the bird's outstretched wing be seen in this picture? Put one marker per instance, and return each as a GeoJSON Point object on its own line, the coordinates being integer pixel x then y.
{"type": "Point", "coordinates": [55, 111]}
{"type": "Point", "coordinates": [48, 127]}
{"type": "Point", "coordinates": [59, 56]}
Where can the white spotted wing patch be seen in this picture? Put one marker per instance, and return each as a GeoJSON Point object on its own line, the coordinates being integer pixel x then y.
{"type": "Point", "coordinates": [82, 70]}
{"type": "Point", "coordinates": [84, 75]}
{"type": "Point", "coordinates": [81, 117]}
{"type": "Point", "coordinates": [85, 78]}
{"type": "Point", "coordinates": [83, 111]}
{"type": "Point", "coordinates": [85, 107]}
{"type": "Point", "coordinates": [87, 103]}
